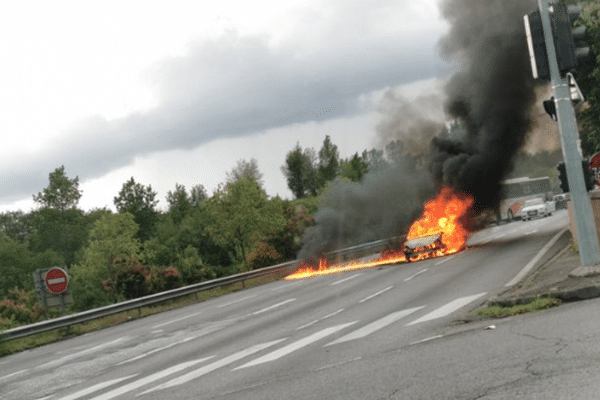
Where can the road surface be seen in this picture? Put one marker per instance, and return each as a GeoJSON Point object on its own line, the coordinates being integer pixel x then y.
{"type": "Point", "coordinates": [325, 337]}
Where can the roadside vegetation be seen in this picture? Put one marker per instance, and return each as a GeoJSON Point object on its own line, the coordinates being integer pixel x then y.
{"type": "Point", "coordinates": [18, 345]}
{"type": "Point", "coordinates": [540, 303]}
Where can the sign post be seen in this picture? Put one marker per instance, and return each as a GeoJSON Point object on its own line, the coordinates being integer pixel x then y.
{"type": "Point", "coordinates": [52, 287]}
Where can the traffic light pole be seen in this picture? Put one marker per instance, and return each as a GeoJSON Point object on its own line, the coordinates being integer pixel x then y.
{"type": "Point", "coordinates": [589, 249]}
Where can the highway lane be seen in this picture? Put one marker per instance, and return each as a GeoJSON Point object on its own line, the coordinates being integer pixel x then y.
{"type": "Point", "coordinates": [247, 343]}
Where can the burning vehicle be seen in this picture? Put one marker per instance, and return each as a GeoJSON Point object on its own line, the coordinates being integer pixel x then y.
{"type": "Point", "coordinates": [425, 245]}
{"type": "Point", "coordinates": [440, 230]}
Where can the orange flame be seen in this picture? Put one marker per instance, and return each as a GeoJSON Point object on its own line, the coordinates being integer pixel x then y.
{"type": "Point", "coordinates": [445, 214]}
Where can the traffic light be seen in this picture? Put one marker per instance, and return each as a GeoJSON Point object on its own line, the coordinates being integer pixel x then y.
{"type": "Point", "coordinates": [537, 46]}
{"type": "Point", "coordinates": [588, 176]}
{"type": "Point", "coordinates": [562, 176]}
{"type": "Point", "coordinates": [550, 108]}
{"type": "Point", "coordinates": [569, 41]}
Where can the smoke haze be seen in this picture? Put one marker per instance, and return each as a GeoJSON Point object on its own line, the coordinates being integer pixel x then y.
{"type": "Point", "coordinates": [492, 96]}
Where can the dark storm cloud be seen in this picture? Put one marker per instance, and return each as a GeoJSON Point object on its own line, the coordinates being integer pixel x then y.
{"type": "Point", "coordinates": [228, 87]}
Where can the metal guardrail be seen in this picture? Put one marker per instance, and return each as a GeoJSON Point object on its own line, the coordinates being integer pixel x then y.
{"type": "Point", "coordinates": [89, 315]}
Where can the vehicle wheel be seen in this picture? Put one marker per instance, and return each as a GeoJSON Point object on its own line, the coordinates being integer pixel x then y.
{"type": "Point", "coordinates": [509, 216]}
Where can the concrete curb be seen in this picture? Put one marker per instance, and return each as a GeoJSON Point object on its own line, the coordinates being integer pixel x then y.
{"type": "Point", "coordinates": [584, 293]}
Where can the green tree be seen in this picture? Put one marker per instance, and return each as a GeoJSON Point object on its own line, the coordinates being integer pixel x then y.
{"type": "Point", "coordinates": [198, 195]}
{"type": "Point", "coordinates": [179, 203]}
{"type": "Point", "coordinates": [139, 200]}
{"type": "Point", "coordinates": [329, 161]}
{"type": "Point", "coordinates": [61, 193]}
{"type": "Point", "coordinates": [64, 232]}
{"type": "Point", "coordinates": [18, 264]}
{"type": "Point", "coordinates": [354, 168]}
{"type": "Point", "coordinates": [241, 214]}
{"type": "Point", "coordinates": [246, 169]}
{"type": "Point", "coordinates": [301, 172]}
{"type": "Point", "coordinates": [588, 78]}
{"type": "Point", "coordinates": [112, 239]}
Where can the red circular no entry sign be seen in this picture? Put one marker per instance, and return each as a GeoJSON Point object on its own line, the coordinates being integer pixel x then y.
{"type": "Point", "coordinates": [56, 280]}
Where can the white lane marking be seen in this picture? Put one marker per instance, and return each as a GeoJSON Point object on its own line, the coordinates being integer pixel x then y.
{"type": "Point", "coordinates": [211, 367]}
{"type": "Point", "coordinates": [375, 326]}
{"type": "Point", "coordinates": [176, 320]}
{"type": "Point", "coordinates": [320, 319]}
{"type": "Point", "coordinates": [426, 339]}
{"type": "Point", "coordinates": [345, 279]}
{"type": "Point", "coordinates": [444, 259]}
{"type": "Point", "coordinates": [415, 275]}
{"type": "Point", "coordinates": [236, 301]}
{"type": "Point", "coordinates": [149, 379]}
{"type": "Point", "coordinates": [338, 364]}
{"type": "Point", "coordinates": [535, 259]}
{"type": "Point", "coordinates": [531, 232]}
{"type": "Point", "coordinates": [448, 308]}
{"type": "Point", "coordinates": [273, 306]}
{"type": "Point", "coordinates": [156, 350]}
{"type": "Point", "coordinates": [376, 294]}
{"type": "Point", "coordinates": [286, 286]}
{"type": "Point", "coordinates": [81, 353]}
{"type": "Point", "coordinates": [13, 374]}
{"type": "Point", "coordinates": [277, 354]}
{"type": "Point", "coordinates": [95, 388]}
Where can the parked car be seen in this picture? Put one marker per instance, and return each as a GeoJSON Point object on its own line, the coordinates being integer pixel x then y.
{"type": "Point", "coordinates": [560, 201]}
{"type": "Point", "coordinates": [534, 208]}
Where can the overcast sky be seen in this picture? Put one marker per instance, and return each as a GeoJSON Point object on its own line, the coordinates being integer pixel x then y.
{"type": "Point", "coordinates": [179, 91]}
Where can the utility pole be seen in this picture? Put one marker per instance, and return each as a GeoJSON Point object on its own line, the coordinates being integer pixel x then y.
{"type": "Point", "coordinates": [589, 249]}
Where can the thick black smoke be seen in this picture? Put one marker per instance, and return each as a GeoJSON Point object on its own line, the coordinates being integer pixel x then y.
{"type": "Point", "coordinates": [491, 95]}
{"type": "Point", "coordinates": [383, 205]}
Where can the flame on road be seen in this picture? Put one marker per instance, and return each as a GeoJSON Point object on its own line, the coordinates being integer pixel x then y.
{"type": "Point", "coordinates": [445, 214]}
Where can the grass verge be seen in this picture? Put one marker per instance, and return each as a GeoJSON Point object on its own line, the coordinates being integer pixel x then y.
{"type": "Point", "coordinates": [18, 345]}
{"type": "Point", "coordinates": [540, 303]}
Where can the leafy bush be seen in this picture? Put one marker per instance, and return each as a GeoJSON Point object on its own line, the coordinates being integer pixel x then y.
{"type": "Point", "coordinates": [20, 308]}
{"type": "Point", "coordinates": [263, 255]}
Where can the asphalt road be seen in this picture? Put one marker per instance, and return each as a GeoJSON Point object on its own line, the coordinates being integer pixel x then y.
{"type": "Point", "coordinates": [325, 337]}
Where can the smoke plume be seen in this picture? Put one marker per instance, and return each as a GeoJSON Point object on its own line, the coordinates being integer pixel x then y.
{"type": "Point", "coordinates": [491, 95]}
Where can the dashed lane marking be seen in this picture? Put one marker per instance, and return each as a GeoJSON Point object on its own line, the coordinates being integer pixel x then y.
{"type": "Point", "coordinates": [277, 354]}
{"type": "Point", "coordinates": [69, 357]}
{"type": "Point", "coordinates": [447, 308]}
{"type": "Point", "coordinates": [415, 275]}
{"type": "Point", "coordinates": [375, 326]}
{"type": "Point", "coordinates": [236, 301]}
{"type": "Point", "coordinates": [382, 291]}
{"type": "Point", "coordinates": [320, 319]}
{"type": "Point", "coordinates": [176, 320]}
{"type": "Point", "coordinates": [345, 279]}
{"type": "Point", "coordinates": [13, 374]}
{"type": "Point", "coordinates": [426, 340]}
{"type": "Point", "coordinates": [273, 307]}
{"type": "Point", "coordinates": [157, 350]}
{"type": "Point", "coordinates": [211, 367]}
{"type": "Point", "coordinates": [95, 388]}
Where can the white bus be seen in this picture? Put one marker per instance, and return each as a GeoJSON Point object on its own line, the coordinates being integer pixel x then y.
{"type": "Point", "coordinates": [514, 192]}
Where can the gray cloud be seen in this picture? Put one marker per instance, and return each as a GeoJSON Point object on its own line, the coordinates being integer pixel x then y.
{"type": "Point", "coordinates": [228, 87]}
